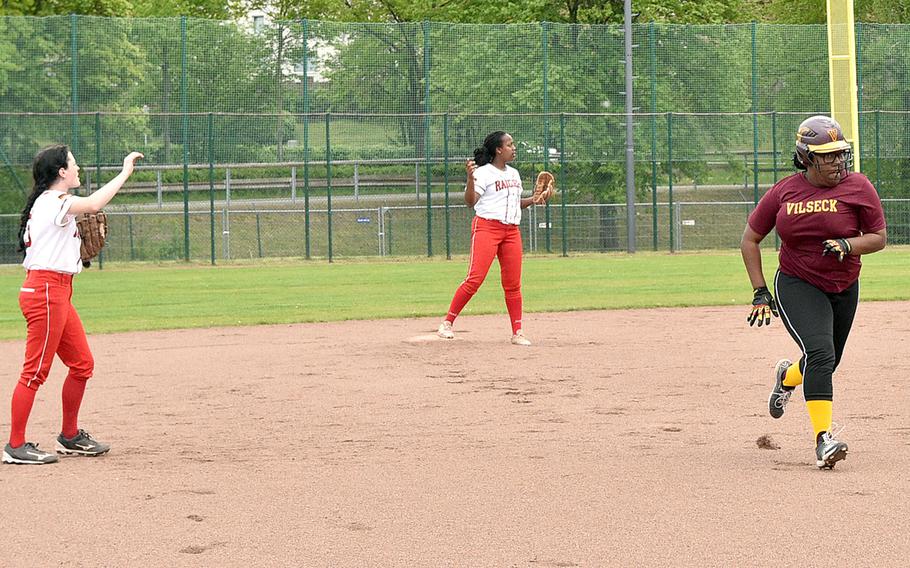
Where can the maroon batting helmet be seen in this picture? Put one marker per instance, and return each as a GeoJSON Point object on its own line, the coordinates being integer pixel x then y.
{"type": "Point", "coordinates": [821, 135]}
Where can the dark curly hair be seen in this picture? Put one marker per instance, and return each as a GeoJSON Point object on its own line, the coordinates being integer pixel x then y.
{"type": "Point", "coordinates": [485, 154]}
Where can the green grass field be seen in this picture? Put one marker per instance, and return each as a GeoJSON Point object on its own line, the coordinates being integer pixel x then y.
{"type": "Point", "coordinates": [138, 296]}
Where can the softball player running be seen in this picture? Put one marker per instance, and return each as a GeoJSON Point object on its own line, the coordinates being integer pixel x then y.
{"type": "Point", "coordinates": [494, 191]}
{"type": "Point", "coordinates": [826, 218]}
{"type": "Point", "coordinates": [50, 240]}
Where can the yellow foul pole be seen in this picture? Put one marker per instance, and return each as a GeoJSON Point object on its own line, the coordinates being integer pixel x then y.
{"type": "Point", "coordinates": [842, 71]}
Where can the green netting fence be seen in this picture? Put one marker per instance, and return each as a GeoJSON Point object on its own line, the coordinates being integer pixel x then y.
{"type": "Point", "coordinates": [324, 139]}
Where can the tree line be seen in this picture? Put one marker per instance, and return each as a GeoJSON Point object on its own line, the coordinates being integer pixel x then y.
{"type": "Point", "coordinates": [474, 11]}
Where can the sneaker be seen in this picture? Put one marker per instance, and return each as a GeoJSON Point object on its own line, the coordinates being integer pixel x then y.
{"type": "Point", "coordinates": [829, 451]}
{"type": "Point", "coordinates": [82, 444]}
{"type": "Point", "coordinates": [520, 339]}
{"type": "Point", "coordinates": [445, 330]}
{"type": "Point", "coordinates": [27, 453]}
{"type": "Point", "coordinates": [780, 395]}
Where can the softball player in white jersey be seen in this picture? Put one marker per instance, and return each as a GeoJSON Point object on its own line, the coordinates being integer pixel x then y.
{"type": "Point", "coordinates": [493, 189]}
{"type": "Point", "coordinates": [50, 241]}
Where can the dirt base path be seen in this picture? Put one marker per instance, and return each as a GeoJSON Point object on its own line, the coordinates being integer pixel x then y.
{"type": "Point", "coordinates": [621, 438]}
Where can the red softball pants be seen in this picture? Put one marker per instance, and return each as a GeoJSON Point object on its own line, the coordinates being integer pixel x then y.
{"type": "Point", "coordinates": [489, 240]}
{"type": "Point", "coordinates": [54, 327]}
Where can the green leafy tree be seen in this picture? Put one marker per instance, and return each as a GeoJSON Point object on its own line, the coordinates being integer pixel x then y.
{"type": "Point", "coordinates": [813, 12]}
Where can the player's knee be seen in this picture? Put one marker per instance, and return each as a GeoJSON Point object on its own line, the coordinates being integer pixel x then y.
{"type": "Point", "coordinates": [817, 381]}
{"type": "Point", "coordinates": [511, 285]}
{"type": "Point", "coordinates": [83, 369]}
{"type": "Point", "coordinates": [32, 381]}
{"type": "Point", "coordinates": [818, 394]}
{"type": "Point", "coordinates": [820, 359]}
{"type": "Point", "coordinates": [471, 286]}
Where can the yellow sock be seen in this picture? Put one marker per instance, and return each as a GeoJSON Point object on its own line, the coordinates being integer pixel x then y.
{"type": "Point", "coordinates": [820, 412]}
{"type": "Point", "coordinates": [793, 378]}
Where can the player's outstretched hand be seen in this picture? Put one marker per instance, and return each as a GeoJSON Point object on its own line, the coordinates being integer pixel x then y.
{"type": "Point", "coordinates": [838, 247]}
{"type": "Point", "coordinates": [763, 307]}
{"type": "Point", "coordinates": [130, 161]}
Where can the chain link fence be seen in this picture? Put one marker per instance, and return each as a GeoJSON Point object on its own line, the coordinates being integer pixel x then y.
{"type": "Point", "coordinates": [237, 233]}
{"type": "Point", "coordinates": [318, 139]}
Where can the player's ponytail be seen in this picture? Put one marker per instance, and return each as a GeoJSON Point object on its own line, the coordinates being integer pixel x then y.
{"type": "Point", "coordinates": [45, 171]}
{"type": "Point", "coordinates": [485, 154]}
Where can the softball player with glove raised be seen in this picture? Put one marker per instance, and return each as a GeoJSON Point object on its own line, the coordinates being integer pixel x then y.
{"type": "Point", "coordinates": [50, 241]}
{"type": "Point", "coordinates": [826, 217]}
{"type": "Point", "coordinates": [494, 190]}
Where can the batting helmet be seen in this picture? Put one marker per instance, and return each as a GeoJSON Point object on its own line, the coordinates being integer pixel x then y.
{"type": "Point", "coordinates": [820, 135]}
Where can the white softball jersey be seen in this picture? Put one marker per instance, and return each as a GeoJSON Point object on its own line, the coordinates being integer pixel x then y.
{"type": "Point", "coordinates": [500, 194]}
{"type": "Point", "coordinates": [51, 237]}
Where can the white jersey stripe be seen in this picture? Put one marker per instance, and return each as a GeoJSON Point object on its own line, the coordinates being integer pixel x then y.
{"type": "Point", "coordinates": [471, 255]}
{"type": "Point", "coordinates": [47, 333]}
{"type": "Point", "coordinates": [785, 318]}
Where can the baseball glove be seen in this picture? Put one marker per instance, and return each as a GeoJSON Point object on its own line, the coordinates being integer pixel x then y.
{"type": "Point", "coordinates": [544, 188]}
{"type": "Point", "coordinates": [93, 230]}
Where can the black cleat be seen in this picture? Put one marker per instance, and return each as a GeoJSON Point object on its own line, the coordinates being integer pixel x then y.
{"type": "Point", "coordinates": [829, 451]}
{"type": "Point", "coordinates": [82, 444]}
{"type": "Point", "coordinates": [780, 395]}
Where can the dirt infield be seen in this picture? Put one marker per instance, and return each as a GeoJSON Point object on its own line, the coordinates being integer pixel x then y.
{"type": "Point", "coordinates": [621, 438]}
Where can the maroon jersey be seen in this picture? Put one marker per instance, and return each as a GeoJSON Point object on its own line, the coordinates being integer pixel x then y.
{"type": "Point", "coordinates": [806, 215]}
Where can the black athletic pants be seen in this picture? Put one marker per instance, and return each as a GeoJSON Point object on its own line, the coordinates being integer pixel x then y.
{"type": "Point", "coordinates": [819, 322]}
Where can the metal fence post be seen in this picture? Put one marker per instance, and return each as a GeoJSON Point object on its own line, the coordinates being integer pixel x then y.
{"type": "Point", "coordinates": [74, 56]}
{"type": "Point", "coordinates": [774, 144]}
{"type": "Point", "coordinates": [670, 172]}
{"type": "Point", "coordinates": [211, 137]}
{"type": "Point", "coordinates": [388, 231]}
{"type": "Point", "coordinates": [563, 172]}
{"type": "Point", "coordinates": [98, 172]}
{"type": "Point", "coordinates": [227, 186]}
{"type": "Point", "coordinates": [226, 233]}
{"type": "Point", "coordinates": [677, 219]}
{"type": "Point", "coordinates": [545, 51]}
{"type": "Point", "coordinates": [426, 134]}
{"type": "Point", "coordinates": [186, 141]}
{"type": "Point", "coordinates": [129, 220]}
{"type": "Point", "coordinates": [159, 189]}
{"type": "Point", "coordinates": [544, 48]}
{"type": "Point", "coordinates": [380, 213]}
{"type": "Point", "coordinates": [652, 53]}
{"type": "Point", "coordinates": [630, 132]}
{"type": "Point", "coordinates": [878, 164]}
{"type": "Point", "coordinates": [356, 184]}
{"type": "Point", "coordinates": [774, 164]}
{"type": "Point", "coordinates": [858, 35]}
{"type": "Point", "coordinates": [328, 179]}
{"type": "Point", "coordinates": [306, 138]}
{"type": "Point", "coordinates": [445, 177]}
{"type": "Point", "coordinates": [754, 113]}
{"type": "Point", "coordinates": [258, 235]}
